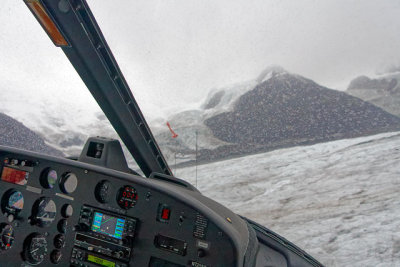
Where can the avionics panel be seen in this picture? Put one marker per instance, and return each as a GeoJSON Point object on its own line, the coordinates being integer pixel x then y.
{"type": "Point", "coordinates": [108, 225]}
{"type": "Point", "coordinates": [62, 212]}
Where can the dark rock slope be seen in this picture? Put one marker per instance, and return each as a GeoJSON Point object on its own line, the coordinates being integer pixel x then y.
{"type": "Point", "coordinates": [288, 110]}
{"type": "Point", "coordinates": [15, 134]}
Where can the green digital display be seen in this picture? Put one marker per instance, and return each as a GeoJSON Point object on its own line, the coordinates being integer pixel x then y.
{"type": "Point", "coordinates": [100, 261]}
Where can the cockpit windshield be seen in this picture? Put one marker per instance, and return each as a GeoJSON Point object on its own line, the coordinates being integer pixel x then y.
{"type": "Point", "coordinates": [287, 112]}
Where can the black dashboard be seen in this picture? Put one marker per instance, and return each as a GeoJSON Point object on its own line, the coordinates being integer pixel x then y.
{"type": "Point", "coordinates": [62, 212]}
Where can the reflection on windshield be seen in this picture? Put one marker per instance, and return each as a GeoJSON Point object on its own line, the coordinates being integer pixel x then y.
{"type": "Point", "coordinates": [286, 112]}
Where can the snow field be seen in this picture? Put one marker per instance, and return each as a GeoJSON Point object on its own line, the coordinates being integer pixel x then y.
{"type": "Point", "coordinates": [339, 201]}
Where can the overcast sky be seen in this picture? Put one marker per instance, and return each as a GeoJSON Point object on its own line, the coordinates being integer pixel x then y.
{"type": "Point", "coordinates": [180, 49]}
{"type": "Point", "coordinates": [172, 52]}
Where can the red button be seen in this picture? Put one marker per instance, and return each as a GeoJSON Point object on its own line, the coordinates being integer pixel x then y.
{"type": "Point", "coordinates": [165, 214]}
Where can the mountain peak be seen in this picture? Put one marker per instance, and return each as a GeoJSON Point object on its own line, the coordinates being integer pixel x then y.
{"type": "Point", "coordinates": [269, 72]}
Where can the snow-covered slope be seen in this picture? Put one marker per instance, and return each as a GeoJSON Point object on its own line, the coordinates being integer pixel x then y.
{"type": "Point", "coordinates": [339, 200]}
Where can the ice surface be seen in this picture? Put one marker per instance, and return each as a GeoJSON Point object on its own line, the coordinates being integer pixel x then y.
{"type": "Point", "coordinates": [339, 201]}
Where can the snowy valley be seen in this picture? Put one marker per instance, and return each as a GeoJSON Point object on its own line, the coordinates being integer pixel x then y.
{"type": "Point", "coordinates": [338, 200]}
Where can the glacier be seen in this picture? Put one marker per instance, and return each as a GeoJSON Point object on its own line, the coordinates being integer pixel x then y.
{"type": "Point", "coordinates": [339, 200]}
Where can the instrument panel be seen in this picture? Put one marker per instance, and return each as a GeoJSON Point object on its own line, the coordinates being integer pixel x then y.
{"type": "Point", "coordinates": [56, 211]}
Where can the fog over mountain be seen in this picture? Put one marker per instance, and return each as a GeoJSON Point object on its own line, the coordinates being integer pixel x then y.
{"type": "Point", "coordinates": [382, 91]}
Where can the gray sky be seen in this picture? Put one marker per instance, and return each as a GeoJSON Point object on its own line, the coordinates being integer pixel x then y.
{"type": "Point", "coordinates": [173, 52]}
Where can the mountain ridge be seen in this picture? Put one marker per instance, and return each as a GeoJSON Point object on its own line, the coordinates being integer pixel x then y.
{"type": "Point", "coordinates": [276, 109]}
{"type": "Point", "coordinates": [300, 112]}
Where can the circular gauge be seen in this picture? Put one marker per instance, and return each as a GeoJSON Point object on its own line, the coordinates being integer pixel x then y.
{"type": "Point", "coordinates": [6, 236]}
{"type": "Point", "coordinates": [102, 191]}
{"type": "Point", "coordinates": [13, 202]}
{"type": "Point", "coordinates": [127, 197]}
{"type": "Point", "coordinates": [44, 211]}
{"type": "Point", "coordinates": [49, 178]}
{"type": "Point", "coordinates": [68, 183]}
{"type": "Point", "coordinates": [35, 248]}
{"type": "Point", "coordinates": [59, 241]}
{"type": "Point", "coordinates": [55, 256]}
{"type": "Point", "coordinates": [67, 210]}
{"type": "Point", "coordinates": [62, 226]}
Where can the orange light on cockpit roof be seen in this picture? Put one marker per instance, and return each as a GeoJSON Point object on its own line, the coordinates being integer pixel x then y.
{"type": "Point", "coordinates": [47, 23]}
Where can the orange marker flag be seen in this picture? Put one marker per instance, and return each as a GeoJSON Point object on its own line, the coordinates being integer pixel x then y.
{"type": "Point", "coordinates": [174, 135]}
